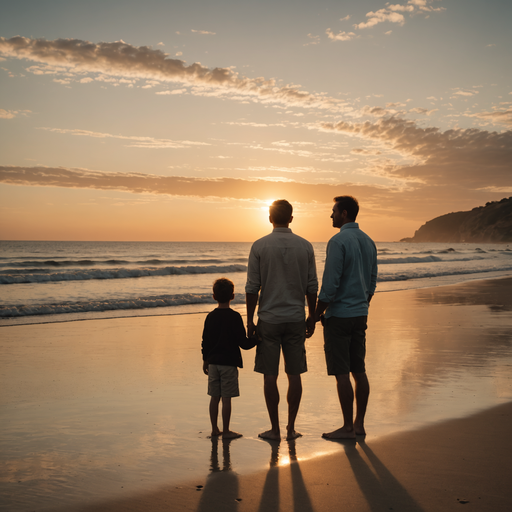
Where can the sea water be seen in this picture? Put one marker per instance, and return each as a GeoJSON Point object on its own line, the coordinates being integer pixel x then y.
{"type": "Point", "coordinates": [43, 281]}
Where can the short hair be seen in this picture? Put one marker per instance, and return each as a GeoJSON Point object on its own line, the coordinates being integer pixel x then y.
{"type": "Point", "coordinates": [223, 290]}
{"type": "Point", "coordinates": [281, 211]}
{"type": "Point", "coordinates": [349, 204]}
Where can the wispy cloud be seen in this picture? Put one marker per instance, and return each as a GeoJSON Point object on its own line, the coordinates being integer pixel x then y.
{"type": "Point", "coordinates": [11, 114]}
{"type": "Point", "coordinates": [340, 36]}
{"type": "Point", "coordinates": [203, 32]}
{"type": "Point", "coordinates": [135, 141]}
{"type": "Point", "coordinates": [391, 13]}
{"type": "Point", "coordinates": [497, 116]}
{"type": "Point", "coordinates": [120, 59]}
{"type": "Point", "coordinates": [176, 185]}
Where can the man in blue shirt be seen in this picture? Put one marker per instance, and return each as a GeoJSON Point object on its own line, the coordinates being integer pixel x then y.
{"type": "Point", "coordinates": [348, 284]}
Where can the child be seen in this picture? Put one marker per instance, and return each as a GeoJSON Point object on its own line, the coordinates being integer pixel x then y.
{"type": "Point", "coordinates": [223, 335]}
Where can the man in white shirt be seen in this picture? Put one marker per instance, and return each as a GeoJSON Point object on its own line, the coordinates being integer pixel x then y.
{"type": "Point", "coordinates": [282, 271]}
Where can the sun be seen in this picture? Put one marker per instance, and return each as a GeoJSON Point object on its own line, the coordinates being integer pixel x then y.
{"type": "Point", "coordinates": [267, 203]}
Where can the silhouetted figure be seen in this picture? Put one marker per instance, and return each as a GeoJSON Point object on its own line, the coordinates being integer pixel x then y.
{"type": "Point", "coordinates": [348, 284]}
{"type": "Point", "coordinates": [223, 335]}
{"type": "Point", "coordinates": [282, 271]}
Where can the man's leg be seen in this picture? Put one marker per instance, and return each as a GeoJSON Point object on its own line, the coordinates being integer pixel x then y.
{"type": "Point", "coordinates": [362, 394]}
{"type": "Point", "coordinates": [214, 414]}
{"type": "Point", "coordinates": [226, 417]}
{"type": "Point", "coordinates": [294, 396]}
{"type": "Point", "coordinates": [272, 400]}
{"type": "Point", "coordinates": [346, 397]}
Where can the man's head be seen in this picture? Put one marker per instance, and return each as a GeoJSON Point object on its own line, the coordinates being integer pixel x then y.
{"type": "Point", "coordinates": [345, 210]}
{"type": "Point", "coordinates": [280, 213]}
{"type": "Point", "coordinates": [223, 290]}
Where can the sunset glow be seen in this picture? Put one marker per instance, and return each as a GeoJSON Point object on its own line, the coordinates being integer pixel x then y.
{"type": "Point", "coordinates": [181, 120]}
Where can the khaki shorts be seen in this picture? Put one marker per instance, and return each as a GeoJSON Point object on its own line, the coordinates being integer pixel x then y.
{"type": "Point", "coordinates": [345, 344]}
{"type": "Point", "coordinates": [223, 380]}
{"type": "Point", "coordinates": [291, 337]}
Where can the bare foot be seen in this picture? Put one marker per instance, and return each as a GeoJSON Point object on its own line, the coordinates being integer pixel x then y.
{"type": "Point", "coordinates": [270, 434]}
{"type": "Point", "coordinates": [230, 435]}
{"type": "Point", "coordinates": [359, 430]}
{"type": "Point", "coordinates": [293, 434]}
{"type": "Point", "coordinates": [215, 433]}
{"type": "Point", "coordinates": [341, 433]}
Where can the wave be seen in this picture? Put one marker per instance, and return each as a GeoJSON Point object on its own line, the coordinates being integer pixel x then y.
{"type": "Point", "coordinates": [106, 305]}
{"type": "Point", "coordinates": [55, 263]}
{"type": "Point", "coordinates": [13, 277]}
{"type": "Point", "coordinates": [425, 259]}
{"type": "Point", "coordinates": [150, 302]}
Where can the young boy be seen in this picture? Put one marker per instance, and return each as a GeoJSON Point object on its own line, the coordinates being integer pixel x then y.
{"type": "Point", "coordinates": [223, 335]}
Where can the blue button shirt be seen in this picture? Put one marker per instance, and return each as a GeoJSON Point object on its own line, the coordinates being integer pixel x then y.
{"type": "Point", "coordinates": [350, 274]}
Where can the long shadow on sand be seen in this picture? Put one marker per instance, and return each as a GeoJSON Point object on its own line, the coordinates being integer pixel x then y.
{"type": "Point", "coordinates": [380, 488]}
{"type": "Point", "coordinates": [270, 495]}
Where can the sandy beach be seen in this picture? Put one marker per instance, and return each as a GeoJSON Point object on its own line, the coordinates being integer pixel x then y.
{"type": "Point", "coordinates": [112, 415]}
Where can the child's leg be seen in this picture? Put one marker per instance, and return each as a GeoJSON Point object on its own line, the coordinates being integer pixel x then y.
{"type": "Point", "coordinates": [226, 417]}
{"type": "Point", "coordinates": [214, 414]}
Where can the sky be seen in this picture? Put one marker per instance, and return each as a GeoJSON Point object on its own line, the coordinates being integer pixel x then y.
{"type": "Point", "coordinates": [167, 120]}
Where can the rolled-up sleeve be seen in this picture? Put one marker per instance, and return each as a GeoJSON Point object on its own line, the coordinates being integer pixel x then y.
{"type": "Point", "coordinates": [312, 277]}
{"type": "Point", "coordinates": [373, 279]}
{"type": "Point", "coordinates": [253, 283]}
{"type": "Point", "coordinates": [333, 272]}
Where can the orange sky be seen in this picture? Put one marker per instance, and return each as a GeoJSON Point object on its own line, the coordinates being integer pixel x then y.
{"type": "Point", "coordinates": [184, 126]}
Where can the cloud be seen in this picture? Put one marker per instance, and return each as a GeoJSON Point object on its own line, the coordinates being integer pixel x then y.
{"type": "Point", "coordinates": [313, 40]}
{"type": "Point", "coordinates": [464, 93]}
{"type": "Point", "coordinates": [497, 116]}
{"type": "Point", "coordinates": [340, 36]}
{"type": "Point", "coordinates": [346, 18]}
{"type": "Point", "coordinates": [203, 32]}
{"type": "Point", "coordinates": [424, 111]}
{"type": "Point", "coordinates": [120, 59]}
{"type": "Point", "coordinates": [469, 158]}
{"type": "Point", "coordinates": [135, 141]}
{"type": "Point", "coordinates": [407, 203]}
{"type": "Point", "coordinates": [390, 13]}
{"type": "Point", "coordinates": [139, 183]}
{"type": "Point", "coordinates": [380, 16]}
{"type": "Point", "coordinates": [7, 114]}
{"type": "Point", "coordinates": [11, 114]}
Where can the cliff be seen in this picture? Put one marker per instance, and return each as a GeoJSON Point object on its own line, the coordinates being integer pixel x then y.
{"type": "Point", "coordinates": [491, 223]}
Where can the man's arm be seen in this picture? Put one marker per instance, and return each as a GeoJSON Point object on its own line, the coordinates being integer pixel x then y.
{"type": "Point", "coordinates": [320, 308]}
{"type": "Point", "coordinates": [251, 301]}
{"type": "Point", "coordinates": [310, 320]}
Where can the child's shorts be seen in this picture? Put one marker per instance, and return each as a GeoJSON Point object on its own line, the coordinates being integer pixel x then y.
{"type": "Point", "coordinates": [223, 380]}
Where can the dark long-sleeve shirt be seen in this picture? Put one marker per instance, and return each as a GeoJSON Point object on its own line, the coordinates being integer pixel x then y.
{"type": "Point", "coordinates": [223, 335]}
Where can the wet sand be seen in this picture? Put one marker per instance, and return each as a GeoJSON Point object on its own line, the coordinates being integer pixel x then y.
{"type": "Point", "coordinates": [112, 415]}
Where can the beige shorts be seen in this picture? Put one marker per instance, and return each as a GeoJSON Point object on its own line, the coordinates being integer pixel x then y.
{"type": "Point", "coordinates": [291, 337]}
{"type": "Point", "coordinates": [223, 380]}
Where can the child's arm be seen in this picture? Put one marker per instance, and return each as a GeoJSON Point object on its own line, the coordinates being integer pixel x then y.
{"type": "Point", "coordinates": [205, 347]}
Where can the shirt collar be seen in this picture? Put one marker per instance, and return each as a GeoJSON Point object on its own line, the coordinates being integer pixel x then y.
{"type": "Point", "coordinates": [281, 230]}
{"type": "Point", "coordinates": [349, 225]}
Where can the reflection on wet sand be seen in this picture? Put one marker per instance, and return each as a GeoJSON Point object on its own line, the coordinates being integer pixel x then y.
{"type": "Point", "coordinates": [98, 410]}
{"type": "Point", "coordinates": [220, 492]}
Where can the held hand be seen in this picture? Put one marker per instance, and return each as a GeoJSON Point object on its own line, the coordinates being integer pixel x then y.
{"type": "Point", "coordinates": [310, 326]}
{"type": "Point", "coordinates": [205, 367]}
{"type": "Point", "coordinates": [251, 328]}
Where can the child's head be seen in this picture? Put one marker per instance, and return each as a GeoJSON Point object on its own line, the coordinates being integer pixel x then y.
{"type": "Point", "coordinates": [223, 290]}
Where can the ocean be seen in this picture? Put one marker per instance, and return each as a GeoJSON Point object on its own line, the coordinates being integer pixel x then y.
{"type": "Point", "coordinates": [43, 282]}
